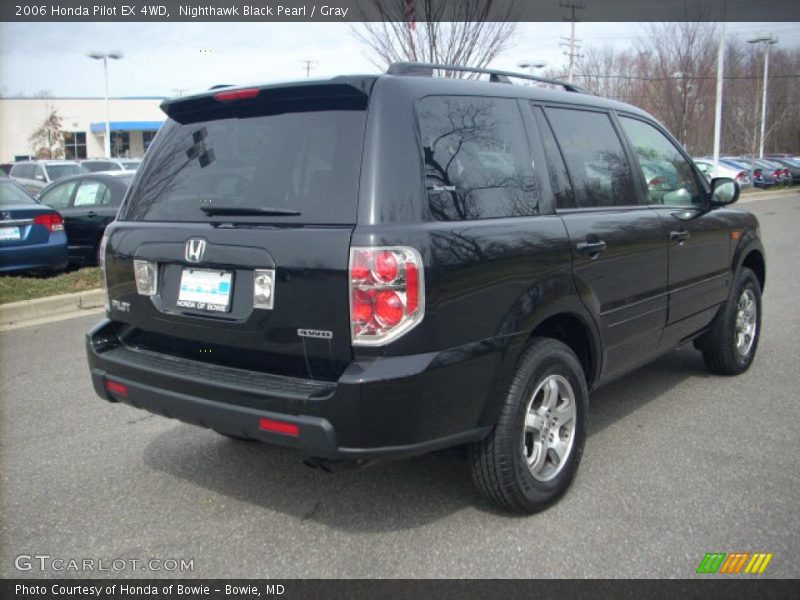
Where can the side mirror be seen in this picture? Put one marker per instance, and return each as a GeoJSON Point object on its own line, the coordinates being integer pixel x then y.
{"type": "Point", "coordinates": [724, 191]}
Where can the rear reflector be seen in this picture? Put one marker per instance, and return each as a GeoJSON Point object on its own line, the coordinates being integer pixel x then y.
{"type": "Point", "coordinates": [116, 388]}
{"type": "Point", "coordinates": [278, 427]}
{"type": "Point", "coordinates": [231, 95]}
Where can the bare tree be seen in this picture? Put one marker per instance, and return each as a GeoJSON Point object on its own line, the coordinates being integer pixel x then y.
{"type": "Point", "coordinates": [47, 140]}
{"type": "Point", "coordinates": [465, 33]}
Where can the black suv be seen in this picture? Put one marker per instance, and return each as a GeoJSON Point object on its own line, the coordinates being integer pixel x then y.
{"type": "Point", "coordinates": [373, 267]}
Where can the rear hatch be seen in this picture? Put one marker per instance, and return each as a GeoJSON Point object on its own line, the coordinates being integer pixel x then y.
{"type": "Point", "coordinates": [239, 223]}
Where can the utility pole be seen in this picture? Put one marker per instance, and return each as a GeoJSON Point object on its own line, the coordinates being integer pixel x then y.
{"type": "Point", "coordinates": [573, 46]}
{"type": "Point", "coordinates": [309, 64]}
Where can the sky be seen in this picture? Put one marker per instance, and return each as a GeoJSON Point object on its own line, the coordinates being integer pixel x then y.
{"type": "Point", "coordinates": [167, 59]}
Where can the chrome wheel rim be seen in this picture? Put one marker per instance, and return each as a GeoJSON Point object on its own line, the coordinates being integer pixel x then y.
{"type": "Point", "coordinates": [549, 430]}
{"type": "Point", "coordinates": [746, 322]}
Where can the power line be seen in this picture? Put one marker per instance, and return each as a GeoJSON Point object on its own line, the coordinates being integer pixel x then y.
{"type": "Point", "coordinates": [671, 77]}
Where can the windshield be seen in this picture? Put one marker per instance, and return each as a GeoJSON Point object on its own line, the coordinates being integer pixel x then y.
{"type": "Point", "coordinates": [302, 166]}
{"type": "Point", "coordinates": [130, 165]}
{"type": "Point", "coordinates": [56, 172]}
{"type": "Point", "coordinates": [12, 194]}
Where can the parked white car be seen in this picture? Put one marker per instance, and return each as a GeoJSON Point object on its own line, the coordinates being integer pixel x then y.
{"type": "Point", "coordinates": [706, 167]}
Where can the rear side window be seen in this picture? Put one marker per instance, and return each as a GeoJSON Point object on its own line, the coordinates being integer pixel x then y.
{"type": "Point", "coordinates": [296, 162]}
{"type": "Point", "coordinates": [557, 170]}
{"type": "Point", "coordinates": [477, 162]}
{"type": "Point", "coordinates": [599, 169]}
{"type": "Point", "coordinates": [91, 193]}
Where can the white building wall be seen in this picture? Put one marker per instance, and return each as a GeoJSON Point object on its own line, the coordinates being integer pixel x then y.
{"type": "Point", "coordinates": [19, 117]}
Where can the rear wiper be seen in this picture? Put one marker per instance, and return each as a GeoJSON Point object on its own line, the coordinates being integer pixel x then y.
{"type": "Point", "coordinates": [248, 211]}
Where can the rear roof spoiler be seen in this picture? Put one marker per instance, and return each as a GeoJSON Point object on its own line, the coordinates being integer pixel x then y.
{"type": "Point", "coordinates": [355, 88]}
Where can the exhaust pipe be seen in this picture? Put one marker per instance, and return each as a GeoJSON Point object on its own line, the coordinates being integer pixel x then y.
{"type": "Point", "coordinates": [334, 466]}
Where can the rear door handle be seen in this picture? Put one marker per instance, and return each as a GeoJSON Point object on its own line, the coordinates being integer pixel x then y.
{"type": "Point", "coordinates": [591, 248]}
{"type": "Point", "coordinates": [679, 236]}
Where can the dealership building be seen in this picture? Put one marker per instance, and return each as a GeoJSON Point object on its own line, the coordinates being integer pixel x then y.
{"type": "Point", "coordinates": [134, 123]}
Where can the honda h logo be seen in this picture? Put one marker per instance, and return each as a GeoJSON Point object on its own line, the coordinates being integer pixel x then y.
{"type": "Point", "coordinates": [194, 250]}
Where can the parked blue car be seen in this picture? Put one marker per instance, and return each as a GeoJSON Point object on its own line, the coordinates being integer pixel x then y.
{"type": "Point", "coordinates": [32, 235]}
{"type": "Point", "coordinates": [761, 177]}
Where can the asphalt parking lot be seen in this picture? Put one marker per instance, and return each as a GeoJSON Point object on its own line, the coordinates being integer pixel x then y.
{"type": "Point", "coordinates": [678, 463]}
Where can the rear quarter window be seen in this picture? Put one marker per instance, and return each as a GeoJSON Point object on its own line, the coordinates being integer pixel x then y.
{"type": "Point", "coordinates": [477, 162]}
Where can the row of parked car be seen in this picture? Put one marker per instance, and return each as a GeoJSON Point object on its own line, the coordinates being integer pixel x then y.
{"type": "Point", "coordinates": [54, 213]}
{"type": "Point", "coordinates": [774, 169]}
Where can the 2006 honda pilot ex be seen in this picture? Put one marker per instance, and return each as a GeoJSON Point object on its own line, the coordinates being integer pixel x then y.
{"type": "Point", "coordinates": [373, 267]}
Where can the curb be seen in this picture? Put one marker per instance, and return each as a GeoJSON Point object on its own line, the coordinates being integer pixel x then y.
{"type": "Point", "coordinates": [767, 195]}
{"type": "Point", "coordinates": [15, 313]}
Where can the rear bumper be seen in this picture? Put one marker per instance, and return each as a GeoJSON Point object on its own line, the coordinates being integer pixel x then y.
{"type": "Point", "coordinates": [50, 255]}
{"type": "Point", "coordinates": [389, 407]}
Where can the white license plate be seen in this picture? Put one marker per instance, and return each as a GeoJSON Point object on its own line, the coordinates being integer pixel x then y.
{"type": "Point", "coordinates": [9, 233]}
{"type": "Point", "coordinates": [202, 289]}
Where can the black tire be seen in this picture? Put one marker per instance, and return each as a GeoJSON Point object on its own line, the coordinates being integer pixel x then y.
{"type": "Point", "coordinates": [720, 351]}
{"type": "Point", "coordinates": [499, 466]}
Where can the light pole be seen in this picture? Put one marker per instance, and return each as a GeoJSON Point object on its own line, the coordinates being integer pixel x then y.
{"type": "Point", "coordinates": [104, 56]}
{"type": "Point", "coordinates": [531, 65]}
{"type": "Point", "coordinates": [768, 39]}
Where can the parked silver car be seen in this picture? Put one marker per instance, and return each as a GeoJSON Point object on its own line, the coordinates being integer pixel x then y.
{"type": "Point", "coordinates": [35, 175]}
{"type": "Point", "coordinates": [706, 167]}
{"type": "Point", "coordinates": [111, 164]}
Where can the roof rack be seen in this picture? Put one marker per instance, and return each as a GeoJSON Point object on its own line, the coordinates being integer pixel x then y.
{"type": "Point", "coordinates": [421, 69]}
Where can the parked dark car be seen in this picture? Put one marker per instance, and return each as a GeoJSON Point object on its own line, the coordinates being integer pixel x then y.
{"type": "Point", "coordinates": [35, 175]}
{"type": "Point", "coordinates": [762, 177]}
{"type": "Point", "coordinates": [791, 164]}
{"type": "Point", "coordinates": [335, 266]}
{"type": "Point", "coordinates": [88, 203]}
{"type": "Point", "coordinates": [110, 164]}
{"type": "Point", "coordinates": [31, 235]}
{"type": "Point", "coordinates": [778, 171]}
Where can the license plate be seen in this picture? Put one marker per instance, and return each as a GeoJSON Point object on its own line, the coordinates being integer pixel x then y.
{"type": "Point", "coordinates": [9, 233]}
{"type": "Point", "coordinates": [202, 289]}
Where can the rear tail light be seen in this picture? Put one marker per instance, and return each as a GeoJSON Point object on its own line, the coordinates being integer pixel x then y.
{"type": "Point", "coordinates": [777, 173]}
{"type": "Point", "coordinates": [786, 172]}
{"type": "Point", "coordinates": [264, 288]}
{"type": "Point", "coordinates": [52, 221]}
{"type": "Point", "coordinates": [231, 95]}
{"type": "Point", "coordinates": [757, 173]}
{"type": "Point", "coordinates": [387, 293]}
{"type": "Point", "coordinates": [741, 176]}
{"type": "Point", "coordinates": [146, 273]}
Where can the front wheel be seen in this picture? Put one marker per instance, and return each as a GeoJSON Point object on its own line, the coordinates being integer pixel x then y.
{"type": "Point", "coordinates": [532, 455]}
{"type": "Point", "coordinates": [732, 344]}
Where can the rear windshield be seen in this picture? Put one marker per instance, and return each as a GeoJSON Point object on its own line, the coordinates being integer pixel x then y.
{"type": "Point", "coordinates": [291, 162]}
{"type": "Point", "coordinates": [56, 172]}
{"type": "Point", "coordinates": [11, 194]}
